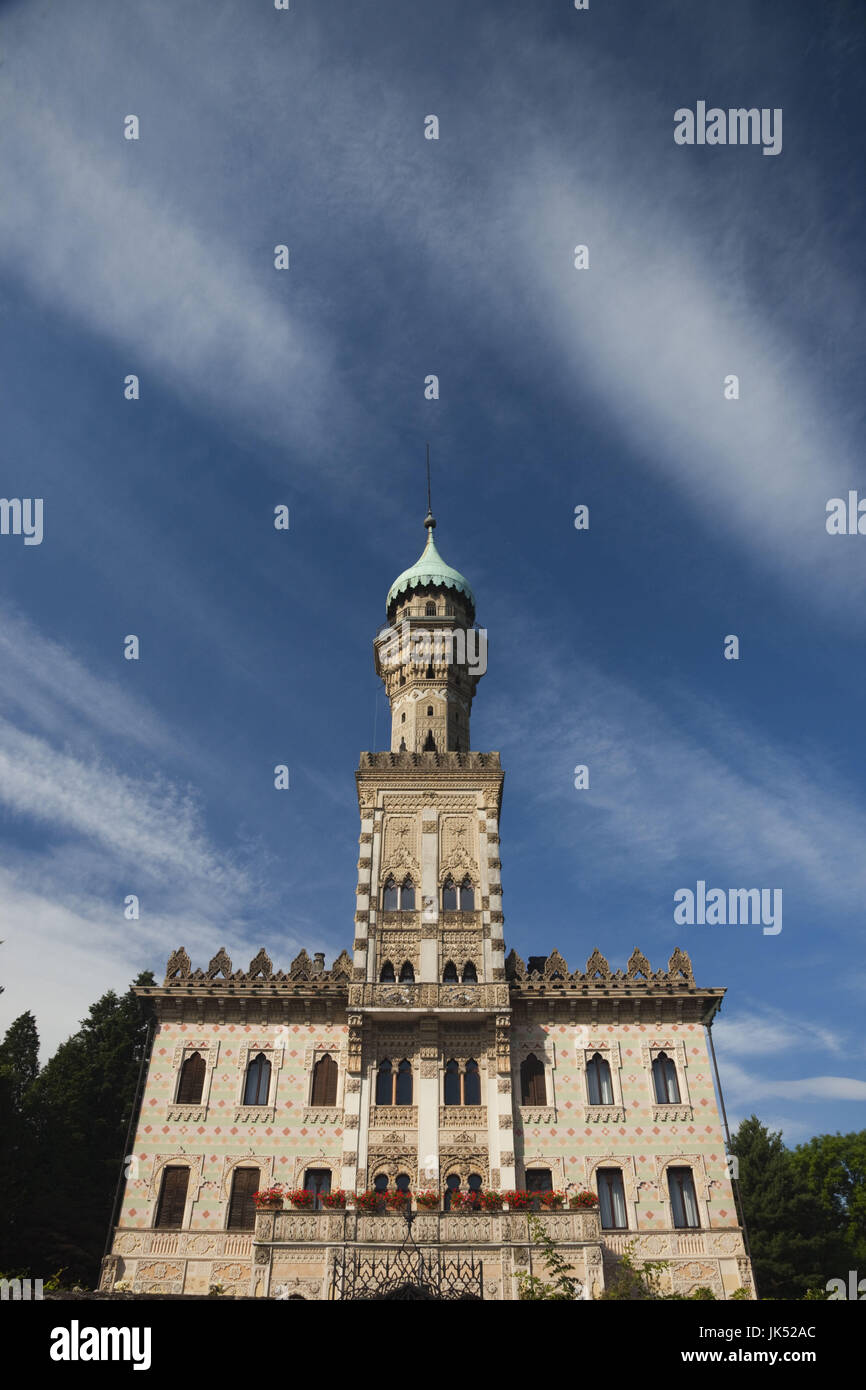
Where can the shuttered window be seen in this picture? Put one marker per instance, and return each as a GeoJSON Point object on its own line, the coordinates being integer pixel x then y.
{"type": "Point", "coordinates": [242, 1208]}
{"type": "Point", "coordinates": [191, 1080]}
{"type": "Point", "coordinates": [325, 1082]}
{"type": "Point", "coordinates": [172, 1198]}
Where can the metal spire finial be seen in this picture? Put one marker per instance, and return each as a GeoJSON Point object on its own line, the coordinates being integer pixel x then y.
{"type": "Point", "coordinates": [429, 520]}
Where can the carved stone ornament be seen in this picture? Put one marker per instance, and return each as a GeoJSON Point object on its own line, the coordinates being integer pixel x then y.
{"type": "Point", "coordinates": [219, 965]}
{"type": "Point", "coordinates": [178, 965]}
{"type": "Point", "coordinates": [261, 965]}
{"type": "Point", "coordinates": [597, 966]}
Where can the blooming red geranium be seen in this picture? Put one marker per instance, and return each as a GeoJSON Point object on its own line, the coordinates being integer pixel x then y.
{"type": "Point", "coordinates": [584, 1199]}
{"type": "Point", "coordinates": [428, 1200]}
{"type": "Point", "coordinates": [268, 1196]}
{"type": "Point", "coordinates": [335, 1199]}
{"type": "Point", "coordinates": [302, 1197]}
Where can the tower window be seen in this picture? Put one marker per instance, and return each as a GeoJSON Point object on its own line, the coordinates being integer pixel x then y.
{"type": "Point", "coordinates": [386, 974]}
{"type": "Point", "coordinates": [394, 1086]}
{"type": "Point", "coordinates": [429, 710]}
{"type": "Point", "coordinates": [470, 974]}
{"type": "Point", "coordinates": [407, 973]}
{"type": "Point", "coordinates": [430, 610]}
{"type": "Point", "coordinates": [403, 718]}
{"type": "Point", "coordinates": [449, 895]}
{"type": "Point", "coordinates": [429, 742]}
{"type": "Point", "coordinates": [449, 974]}
{"type": "Point", "coordinates": [398, 897]}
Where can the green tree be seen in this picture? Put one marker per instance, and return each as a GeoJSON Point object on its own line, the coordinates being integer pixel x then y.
{"type": "Point", "coordinates": [19, 1057]}
{"type": "Point", "coordinates": [833, 1167]}
{"type": "Point", "coordinates": [791, 1247]}
{"type": "Point", "coordinates": [75, 1115]}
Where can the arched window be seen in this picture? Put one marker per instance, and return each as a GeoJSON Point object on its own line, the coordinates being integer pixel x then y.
{"type": "Point", "coordinates": [684, 1203]}
{"type": "Point", "coordinates": [430, 610]}
{"type": "Point", "coordinates": [386, 974]}
{"type": "Point", "coordinates": [398, 897]}
{"type": "Point", "coordinates": [172, 1198]}
{"type": "Point", "coordinates": [407, 974]}
{"type": "Point", "coordinates": [449, 895]}
{"type": "Point", "coordinates": [380, 1182]}
{"type": "Point", "coordinates": [449, 610]}
{"type": "Point", "coordinates": [325, 1082]}
{"type": "Point", "coordinates": [533, 1090]}
{"type": "Point", "coordinates": [258, 1081]}
{"type": "Point", "coordinates": [402, 748]}
{"type": "Point", "coordinates": [192, 1075]}
{"type": "Point", "coordinates": [474, 1184]}
{"type": "Point", "coordinates": [611, 1199]}
{"type": "Point", "coordinates": [470, 974]}
{"type": "Point", "coordinates": [242, 1208]}
{"type": "Point", "coordinates": [452, 1083]}
{"type": "Point", "coordinates": [430, 672]}
{"type": "Point", "coordinates": [598, 1082]}
{"type": "Point", "coordinates": [471, 1086]}
{"type": "Point", "coordinates": [429, 743]}
{"type": "Point", "coordinates": [452, 1184]}
{"type": "Point", "coordinates": [403, 1087]}
{"type": "Point", "coordinates": [403, 1183]}
{"type": "Point", "coordinates": [665, 1078]}
{"type": "Point", "coordinates": [429, 710]}
{"type": "Point", "coordinates": [467, 895]}
{"type": "Point", "coordinates": [385, 1084]}
{"type": "Point", "coordinates": [449, 974]}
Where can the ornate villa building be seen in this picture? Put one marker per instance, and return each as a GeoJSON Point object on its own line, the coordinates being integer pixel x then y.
{"type": "Point", "coordinates": [427, 1060]}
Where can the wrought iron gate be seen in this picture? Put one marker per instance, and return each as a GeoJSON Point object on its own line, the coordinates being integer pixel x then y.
{"type": "Point", "coordinates": [408, 1273]}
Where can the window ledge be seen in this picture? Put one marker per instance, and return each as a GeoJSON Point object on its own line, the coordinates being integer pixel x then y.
{"type": "Point", "coordinates": [537, 1114]}
{"type": "Point", "coordinates": [323, 1115]}
{"type": "Point", "coordinates": [457, 1116]}
{"type": "Point", "coordinates": [604, 1114]}
{"type": "Point", "coordinates": [673, 1112]}
{"type": "Point", "coordinates": [254, 1114]}
{"type": "Point", "coordinates": [401, 1115]}
{"type": "Point", "coordinates": [190, 1113]}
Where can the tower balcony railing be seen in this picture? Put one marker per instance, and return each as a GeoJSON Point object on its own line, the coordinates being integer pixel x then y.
{"type": "Point", "coordinates": [427, 996]}
{"type": "Point", "coordinates": [433, 1227]}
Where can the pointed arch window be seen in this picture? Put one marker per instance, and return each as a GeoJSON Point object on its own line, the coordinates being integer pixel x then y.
{"type": "Point", "coordinates": [471, 1085]}
{"type": "Point", "coordinates": [665, 1078]}
{"type": "Point", "coordinates": [467, 895]}
{"type": "Point", "coordinates": [407, 973]}
{"type": "Point", "coordinates": [258, 1081]}
{"type": "Point", "coordinates": [449, 974]}
{"type": "Point", "coordinates": [385, 1084]}
{"type": "Point", "coordinates": [325, 1074]}
{"type": "Point", "coordinates": [533, 1090]}
{"type": "Point", "coordinates": [452, 1185]}
{"type": "Point", "coordinates": [429, 742]}
{"type": "Point", "coordinates": [449, 895]}
{"type": "Point", "coordinates": [386, 974]}
{"type": "Point", "coordinates": [430, 610]}
{"type": "Point", "coordinates": [191, 1083]}
{"type": "Point", "coordinates": [598, 1080]}
{"type": "Point", "coordinates": [398, 897]}
{"type": "Point", "coordinates": [394, 1084]}
{"type": "Point", "coordinates": [470, 974]}
{"type": "Point", "coordinates": [452, 1083]}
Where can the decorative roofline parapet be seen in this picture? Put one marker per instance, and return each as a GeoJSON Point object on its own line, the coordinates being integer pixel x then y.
{"type": "Point", "coordinates": [553, 969]}
{"type": "Point", "coordinates": [179, 973]}
{"type": "Point", "coordinates": [429, 761]}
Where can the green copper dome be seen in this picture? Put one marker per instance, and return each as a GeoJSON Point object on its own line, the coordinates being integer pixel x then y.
{"type": "Point", "coordinates": [429, 569]}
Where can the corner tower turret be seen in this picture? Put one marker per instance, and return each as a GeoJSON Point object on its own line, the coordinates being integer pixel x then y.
{"type": "Point", "coordinates": [430, 656]}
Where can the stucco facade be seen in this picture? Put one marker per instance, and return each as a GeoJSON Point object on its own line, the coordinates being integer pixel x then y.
{"type": "Point", "coordinates": [451, 1067]}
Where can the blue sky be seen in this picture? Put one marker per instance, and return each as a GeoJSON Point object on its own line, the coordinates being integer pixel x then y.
{"type": "Point", "coordinates": [557, 387]}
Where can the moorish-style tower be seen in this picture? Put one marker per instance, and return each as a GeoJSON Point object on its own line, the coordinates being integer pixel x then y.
{"type": "Point", "coordinates": [426, 1070]}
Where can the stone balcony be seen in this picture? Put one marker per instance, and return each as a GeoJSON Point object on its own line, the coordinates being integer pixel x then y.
{"type": "Point", "coordinates": [426, 998]}
{"type": "Point", "coordinates": [461, 1229]}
